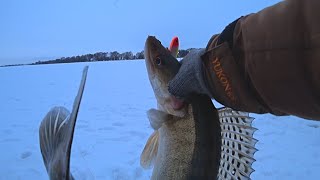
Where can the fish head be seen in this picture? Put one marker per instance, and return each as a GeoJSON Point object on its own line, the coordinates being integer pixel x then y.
{"type": "Point", "coordinates": [162, 66]}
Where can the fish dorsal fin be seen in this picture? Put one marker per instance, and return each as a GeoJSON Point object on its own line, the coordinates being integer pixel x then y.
{"type": "Point", "coordinates": [150, 151]}
{"type": "Point", "coordinates": [238, 144]}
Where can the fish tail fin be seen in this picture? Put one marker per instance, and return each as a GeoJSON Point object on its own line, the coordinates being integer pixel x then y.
{"type": "Point", "coordinates": [52, 134]}
{"type": "Point", "coordinates": [150, 150]}
{"type": "Point", "coordinates": [56, 134]}
{"type": "Point", "coordinates": [238, 144]}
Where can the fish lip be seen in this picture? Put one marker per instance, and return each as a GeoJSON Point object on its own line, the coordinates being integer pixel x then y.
{"type": "Point", "coordinates": [177, 104]}
{"type": "Point", "coordinates": [147, 50]}
{"type": "Point", "coordinates": [147, 54]}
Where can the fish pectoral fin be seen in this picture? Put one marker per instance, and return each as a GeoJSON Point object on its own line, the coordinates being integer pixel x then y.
{"type": "Point", "coordinates": [157, 118]}
{"type": "Point", "coordinates": [150, 151]}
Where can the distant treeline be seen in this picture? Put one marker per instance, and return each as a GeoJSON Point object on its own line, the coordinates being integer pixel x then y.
{"type": "Point", "coordinates": [104, 56]}
{"type": "Point", "coordinates": [100, 56]}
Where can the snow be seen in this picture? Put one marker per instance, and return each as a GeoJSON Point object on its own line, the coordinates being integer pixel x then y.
{"type": "Point", "coordinates": [112, 126]}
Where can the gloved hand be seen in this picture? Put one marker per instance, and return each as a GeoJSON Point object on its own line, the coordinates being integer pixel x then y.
{"type": "Point", "coordinates": [190, 78]}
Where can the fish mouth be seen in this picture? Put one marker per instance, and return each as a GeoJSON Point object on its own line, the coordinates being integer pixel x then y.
{"type": "Point", "coordinates": [177, 104]}
{"type": "Point", "coordinates": [148, 57]}
{"type": "Point", "coordinates": [147, 50]}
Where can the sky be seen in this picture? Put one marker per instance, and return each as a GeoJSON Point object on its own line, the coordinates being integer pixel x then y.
{"type": "Point", "coordinates": [44, 29]}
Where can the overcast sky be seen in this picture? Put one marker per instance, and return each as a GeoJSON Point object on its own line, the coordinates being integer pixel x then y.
{"type": "Point", "coordinates": [44, 29]}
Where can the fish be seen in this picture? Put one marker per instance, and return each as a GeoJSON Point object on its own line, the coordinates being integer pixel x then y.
{"type": "Point", "coordinates": [192, 140]}
{"type": "Point", "coordinates": [56, 136]}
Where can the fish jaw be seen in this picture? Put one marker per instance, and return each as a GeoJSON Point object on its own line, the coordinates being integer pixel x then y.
{"type": "Point", "coordinates": [161, 68]}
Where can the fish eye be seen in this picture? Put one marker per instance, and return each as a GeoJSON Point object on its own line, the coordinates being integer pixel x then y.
{"type": "Point", "coordinates": [158, 61]}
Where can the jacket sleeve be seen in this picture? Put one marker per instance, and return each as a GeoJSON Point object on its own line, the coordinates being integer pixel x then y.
{"type": "Point", "coordinates": [273, 63]}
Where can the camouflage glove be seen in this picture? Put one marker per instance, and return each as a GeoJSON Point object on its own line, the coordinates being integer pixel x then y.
{"type": "Point", "coordinates": [190, 78]}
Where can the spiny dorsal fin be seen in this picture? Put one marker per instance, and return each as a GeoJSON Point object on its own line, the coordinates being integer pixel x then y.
{"type": "Point", "coordinates": [150, 151]}
{"type": "Point", "coordinates": [238, 144]}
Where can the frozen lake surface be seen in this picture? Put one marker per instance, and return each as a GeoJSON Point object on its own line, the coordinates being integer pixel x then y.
{"type": "Point", "coordinates": [112, 126]}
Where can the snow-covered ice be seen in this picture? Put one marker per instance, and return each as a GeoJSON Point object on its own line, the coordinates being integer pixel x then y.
{"type": "Point", "coordinates": [112, 127]}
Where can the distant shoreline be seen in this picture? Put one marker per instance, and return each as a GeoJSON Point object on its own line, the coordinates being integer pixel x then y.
{"type": "Point", "coordinates": [34, 64]}
{"type": "Point", "coordinates": [99, 56]}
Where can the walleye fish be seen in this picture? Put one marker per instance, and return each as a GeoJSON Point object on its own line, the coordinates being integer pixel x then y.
{"type": "Point", "coordinates": [56, 136]}
{"type": "Point", "coordinates": [194, 141]}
